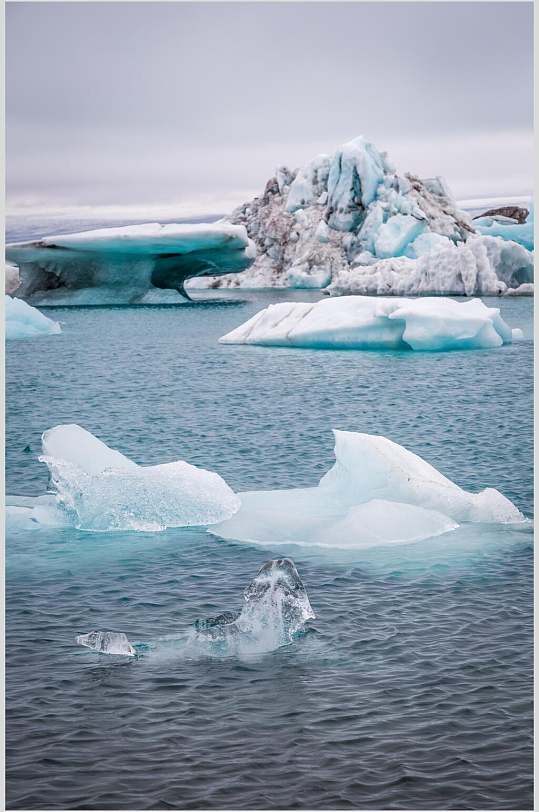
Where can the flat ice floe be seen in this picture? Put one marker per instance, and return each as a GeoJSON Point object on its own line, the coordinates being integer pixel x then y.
{"type": "Point", "coordinates": [25, 321]}
{"type": "Point", "coordinates": [97, 488]}
{"type": "Point", "coordinates": [142, 264]}
{"type": "Point", "coordinates": [376, 493]}
{"type": "Point", "coordinates": [363, 323]}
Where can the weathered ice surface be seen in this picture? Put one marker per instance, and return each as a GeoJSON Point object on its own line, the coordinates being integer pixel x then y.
{"type": "Point", "coordinates": [342, 215]}
{"type": "Point", "coordinates": [369, 323]}
{"type": "Point", "coordinates": [376, 493]}
{"type": "Point", "coordinates": [24, 321]}
{"type": "Point", "coordinates": [142, 264]}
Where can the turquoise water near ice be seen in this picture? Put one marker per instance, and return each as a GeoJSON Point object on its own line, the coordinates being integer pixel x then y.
{"type": "Point", "coordinates": [413, 687]}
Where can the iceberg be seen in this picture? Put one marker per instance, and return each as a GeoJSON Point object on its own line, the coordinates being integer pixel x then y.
{"type": "Point", "coordinates": [343, 212]}
{"type": "Point", "coordinates": [368, 323]}
{"type": "Point", "coordinates": [25, 321]}
{"type": "Point", "coordinates": [275, 609]}
{"type": "Point", "coordinates": [142, 264]}
{"type": "Point", "coordinates": [376, 493]}
{"type": "Point", "coordinates": [107, 643]}
{"type": "Point", "coordinates": [97, 488]}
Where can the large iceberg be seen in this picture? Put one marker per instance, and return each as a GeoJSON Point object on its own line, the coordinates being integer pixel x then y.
{"type": "Point", "coordinates": [24, 321]}
{"type": "Point", "coordinates": [376, 493]}
{"type": "Point", "coordinates": [97, 488]}
{"type": "Point", "coordinates": [141, 264]}
{"type": "Point", "coordinates": [368, 323]}
{"type": "Point", "coordinates": [328, 223]}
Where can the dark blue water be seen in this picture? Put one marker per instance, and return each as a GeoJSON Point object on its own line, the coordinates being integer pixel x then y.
{"type": "Point", "coordinates": [413, 687]}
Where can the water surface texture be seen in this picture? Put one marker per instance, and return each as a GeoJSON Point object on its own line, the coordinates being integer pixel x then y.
{"type": "Point", "coordinates": [412, 689]}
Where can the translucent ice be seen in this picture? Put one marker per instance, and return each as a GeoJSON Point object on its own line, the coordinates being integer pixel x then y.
{"type": "Point", "coordinates": [363, 322]}
{"type": "Point", "coordinates": [275, 609]}
{"type": "Point", "coordinates": [107, 643]}
{"type": "Point", "coordinates": [24, 321]}
{"type": "Point", "coordinates": [376, 493]}
{"type": "Point", "coordinates": [394, 236]}
{"type": "Point", "coordinates": [97, 488]}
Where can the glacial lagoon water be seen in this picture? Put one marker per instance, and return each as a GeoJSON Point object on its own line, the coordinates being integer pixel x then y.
{"type": "Point", "coordinates": [412, 689]}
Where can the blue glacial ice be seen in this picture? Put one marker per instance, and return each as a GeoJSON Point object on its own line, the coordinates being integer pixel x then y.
{"type": "Point", "coordinates": [364, 323]}
{"type": "Point", "coordinates": [275, 609]}
{"type": "Point", "coordinates": [508, 229]}
{"type": "Point", "coordinates": [376, 493]}
{"type": "Point", "coordinates": [142, 264]}
{"type": "Point", "coordinates": [98, 489]}
{"type": "Point", "coordinates": [24, 321]}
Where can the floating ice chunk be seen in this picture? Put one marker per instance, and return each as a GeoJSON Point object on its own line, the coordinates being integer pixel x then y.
{"type": "Point", "coordinates": [275, 609]}
{"type": "Point", "coordinates": [361, 322]}
{"type": "Point", "coordinates": [377, 492]}
{"type": "Point", "coordinates": [107, 643]}
{"type": "Point", "coordinates": [24, 321]}
{"type": "Point", "coordinates": [394, 236]}
{"type": "Point", "coordinates": [130, 264]}
{"type": "Point", "coordinates": [97, 488]}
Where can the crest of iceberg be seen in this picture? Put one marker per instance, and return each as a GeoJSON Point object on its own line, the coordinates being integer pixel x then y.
{"type": "Point", "coordinates": [365, 322]}
{"type": "Point", "coordinates": [24, 321]}
{"type": "Point", "coordinates": [107, 643]}
{"type": "Point", "coordinates": [326, 224]}
{"type": "Point", "coordinates": [142, 264]}
{"type": "Point", "coordinates": [275, 610]}
{"type": "Point", "coordinates": [99, 489]}
{"type": "Point", "coordinates": [376, 493]}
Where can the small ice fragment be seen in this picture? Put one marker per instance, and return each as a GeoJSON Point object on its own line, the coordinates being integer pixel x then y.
{"type": "Point", "coordinates": [107, 643]}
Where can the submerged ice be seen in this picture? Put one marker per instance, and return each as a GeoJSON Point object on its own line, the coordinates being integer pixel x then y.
{"type": "Point", "coordinates": [377, 492]}
{"type": "Point", "coordinates": [142, 264]}
{"type": "Point", "coordinates": [97, 488]}
{"type": "Point", "coordinates": [363, 322]}
{"type": "Point", "coordinates": [275, 610]}
{"type": "Point", "coordinates": [24, 321]}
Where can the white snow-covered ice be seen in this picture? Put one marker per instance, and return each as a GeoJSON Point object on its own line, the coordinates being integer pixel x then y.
{"type": "Point", "coordinates": [377, 492]}
{"type": "Point", "coordinates": [366, 322]}
{"type": "Point", "coordinates": [97, 488]}
{"type": "Point", "coordinates": [140, 264]}
{"type": "Point", "coordinates": [24, 321]}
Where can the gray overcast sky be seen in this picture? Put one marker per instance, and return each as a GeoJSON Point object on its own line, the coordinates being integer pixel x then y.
{"type": "Point", "coordinates": [194, 104]}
